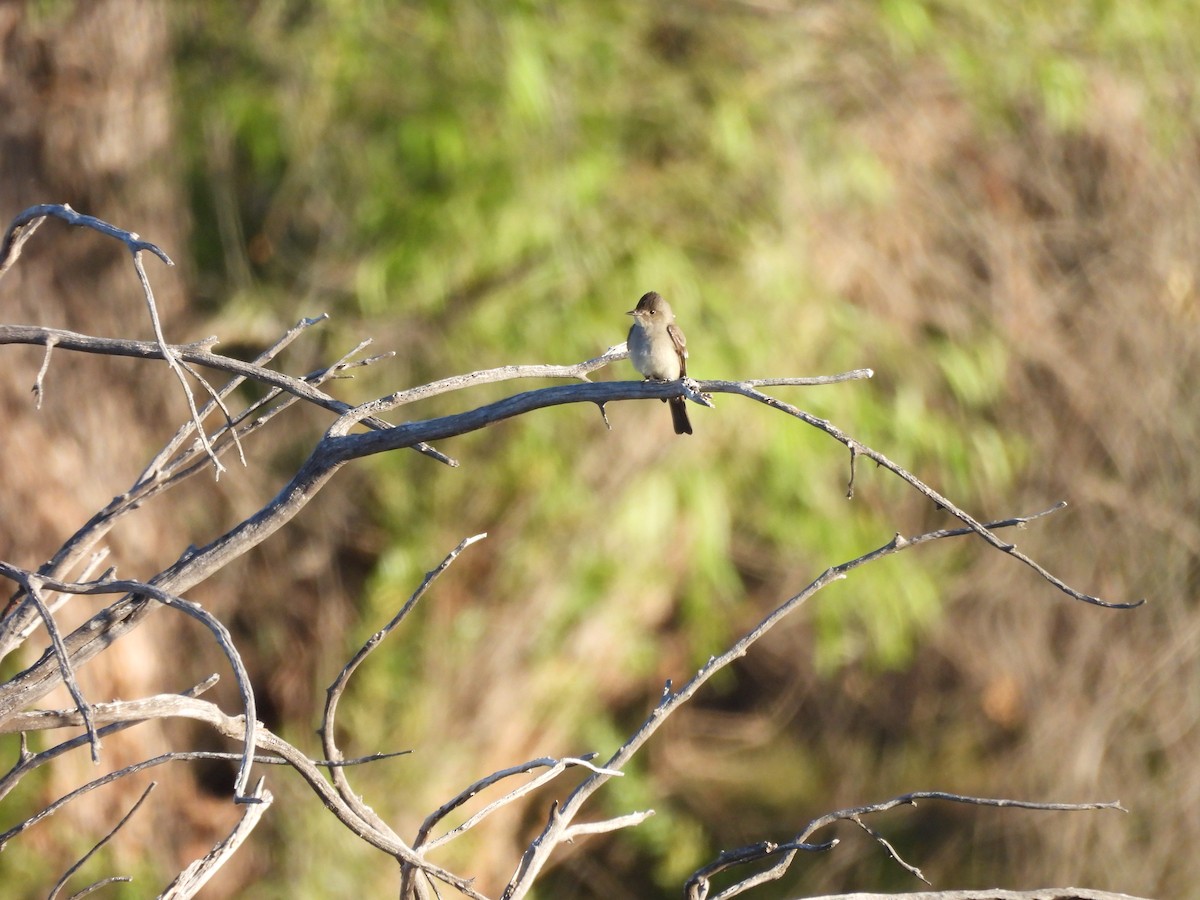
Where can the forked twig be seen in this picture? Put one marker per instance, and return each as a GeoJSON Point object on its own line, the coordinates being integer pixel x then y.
{"type": "Point", "coordinates": [335, 690]}
{"type": "Point", "coordinates": [979, 528]}
{"type": "Point", "coordinates": [554, 768]}
{"type": "Point", "coordinates": [698, 886]}
{"type": "Point", "coordinates": [22, 228]}
{"type": "Point", "coordinates": [173, 362]}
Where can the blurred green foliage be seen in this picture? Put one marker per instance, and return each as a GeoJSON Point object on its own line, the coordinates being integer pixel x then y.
{"type": "Point", "coordinates": [481, 184]}
{"type": "Point", "coordinates": [485, 183]}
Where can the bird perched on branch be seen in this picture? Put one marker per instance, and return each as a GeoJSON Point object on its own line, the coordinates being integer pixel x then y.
{"type": "Point", "coordinates": [658, 350]}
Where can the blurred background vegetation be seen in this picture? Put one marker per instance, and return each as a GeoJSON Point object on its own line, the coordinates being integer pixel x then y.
{"type": "Point", "coordinates": [993, 205]}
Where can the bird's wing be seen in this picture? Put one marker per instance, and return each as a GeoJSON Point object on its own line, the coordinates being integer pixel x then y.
{"type": "Point", "coordinates": [680, 343]}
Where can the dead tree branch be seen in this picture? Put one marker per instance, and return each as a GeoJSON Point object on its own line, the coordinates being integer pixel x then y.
{"type": "Point", "coordinates": [698, 886]}
{"type": "Point", "coordinates": [196, 875]}
{"type": "Point", "coordinates": [104, 840]}
{"type": "Point", "coordinates": [356, 432]}
{"type": "Point", "coordinates": [561, 817]}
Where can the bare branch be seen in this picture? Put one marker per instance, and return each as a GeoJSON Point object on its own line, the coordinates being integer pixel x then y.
{"type": "Point", "coordinates": [224, 640]}
{"type": "Point", "coordinates": [196, 875]}
{"type": "Point", "coordinates": [880, 459]}
{"type": "Point", "coordinates": [910, 799]}
{"type": "Point", "coordinates": [200, 353]}
{"type": "Point", "coordinates": [197, 353]}
{"type": "Point", "coordinates": [810, 381]}
{"type": "Point", "coordinates": [123, 714]}
{"type": "Point", "coordinates": [698, 885]}
{"type": "Point", "coordinates": [629, 820]}
{"type": "Point", "coordinates": [555, 767]}
{"type": "Point", "coordinates": [234, 727]}
{"type": "Point", "coordinates": [102, 713]}
{"type": "Point", "coordinates": [33, 587]}
{"type": "Point", "coordinates": [27, 221]}
{"type": "Point", "coordinates": [38, 391]}
{"type": "Point", "coordinates": [19, 231]}
{"type": "Point", "coordinates": [104, 840]}
{"type": "Point", "coordinates": [889, 849]}
{"type": "Point", "coordinates": [536, 856]}
{"type": "Point", "coordinates": [335, 690]}
{"type": "Point", "coordinates": [350, 446]}
{"type": "Point", "coordinates": [103, 882]}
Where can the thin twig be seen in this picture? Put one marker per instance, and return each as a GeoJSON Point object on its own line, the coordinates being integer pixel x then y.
{"type": "Point", "coordinates": [173, 363]}
{"type": "Point", "coordinates": [698, 885]}
{"type": "Point", "coordinates": [890, 850]}
{"type": "Point", "coordinates": [218, 401]}
{"type": "Point", "coordinates": [104, 840]}
{"type": "Point", "coordinates": [555, 767]}
{"type": "Point", "coordinates": [38, 390]}
{"type": "Point", "coordinates": [335, 690]}
{"type": "Point", "coordinates": [33, 587]}
{"type": "Point", "coordinates": [103, 882]}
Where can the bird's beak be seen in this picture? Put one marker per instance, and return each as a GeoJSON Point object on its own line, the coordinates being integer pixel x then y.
{"type": "Point", "coordinates": [632, 312]}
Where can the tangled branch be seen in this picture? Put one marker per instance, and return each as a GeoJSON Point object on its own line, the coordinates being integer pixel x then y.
{"type": "Point", "coordinates": [355, 432]}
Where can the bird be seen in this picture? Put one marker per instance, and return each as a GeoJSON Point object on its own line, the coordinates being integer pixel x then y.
{"type": "Point", "coordinates": [658, 350]}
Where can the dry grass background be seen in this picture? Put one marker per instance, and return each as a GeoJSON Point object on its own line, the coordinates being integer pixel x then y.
{"type": "Point", "coordinates": [1079, 251]}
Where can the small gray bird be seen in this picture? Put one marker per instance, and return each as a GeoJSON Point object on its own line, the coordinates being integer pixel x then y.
{"type": "Point", "coordinates": [658, 350]}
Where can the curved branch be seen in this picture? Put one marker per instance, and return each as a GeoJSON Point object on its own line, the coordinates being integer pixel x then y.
{"type": "Point", "coordinates": [881, 460]}
{"type": "Point", "coordinates": [196, 611]}
{"type": "Point", "coordinates": [26, 222]}
{"type": "Point", "coordinates": [337, 688]}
